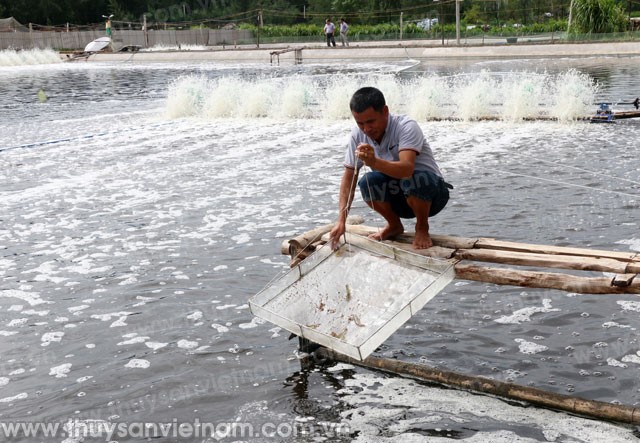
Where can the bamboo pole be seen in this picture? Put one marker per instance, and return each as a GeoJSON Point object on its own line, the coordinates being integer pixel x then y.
{"type": "Point", "coordinates": [548, 280]}
{"type": "Point", "coordinates": [538, 397]}
{"type": "Point", "coordinates": [456, 242]}
{"type": "Point", "coordinates": [491, 243]}
{"type": "Point", "coordinates": [625, 265]}
{"type": "Point", "coordinates": [564, 258]}
{"type": "Point", "coordinates": [300, 247]}
{"type": "Point", "coordinates": [580, 263]}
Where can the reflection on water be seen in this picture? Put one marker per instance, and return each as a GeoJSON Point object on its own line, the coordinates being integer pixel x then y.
{"type": "Point", "coordinates": [132, 242]}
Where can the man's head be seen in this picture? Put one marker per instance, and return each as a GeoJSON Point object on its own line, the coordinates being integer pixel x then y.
{"type": "Point", "coordinates": [370, 111]}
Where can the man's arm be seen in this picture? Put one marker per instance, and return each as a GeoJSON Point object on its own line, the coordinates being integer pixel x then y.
{"type": "Point", "coordinates": [347, 191]}
{"type": "Point", "coordinates": [402, 168]}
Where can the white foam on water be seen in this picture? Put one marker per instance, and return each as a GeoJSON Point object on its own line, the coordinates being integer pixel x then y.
{"type": "Point", "coordinates": [634, 243]}
{"type": "Point", "coordinates": [76, 310]}
{"type": "Point", "coordinates": [528, 347]}
{"type": "Point", "coordinates": [220, 328]}
{"type": "Point", "coordinates": [340, 367]}
{"type": "Point", "coordinates": [32, 298]}
{"type": "Point", "coordinates": [128, 280]}
{"type": "Point", "coordinates": [155, 345]}
{"type": "Point", "coordinates": [20, 396]}
{"type": "Point", "coordinates": [510, 96]}
{"type": "Point", "coordinates": [10, 57]}
{"type": "Point", "coordinates": [109, 316]}
{"type": "Point", "coordinates": [613, 324]}
{"type": "Point", "coordinates": [4, 381]}
{"type": "Point", "coordinates": [51, 337]}
{"type": "Point", "coordinates": [241, 238]}
{"type": "Point", "coordinates": [629, 305]}
{"type": "Point", "coordinates": [295, 99]}
{"type": "Point", "coordinates": [133, 340]}
{"type": "Point", "coordinates": [435, 94]}
{"type": "Point", "coordinates": [474, 95]}
{"type": "Point", "coordinates": [187, 344]}
{"type": "Point", "coordinates": [254, 323]}
{"type": "Point", "coordinates": [138, 363]}
{"type": "Point", "coordinates": [197, 315]}
{"type": "Point", "coordinates": [119, 322]}
{"type": "Point", "coordinates": [524, 314]}
{"type": "Point", "coordinates": [60, 371]}
{"type": "Point", "coordinates": [632, 358]}
{"type": "Point", "coordinates": [17, 322]}
{"type": "Point", "coordinates": [573, 94]}
{"type": "Point", "coordinates": [34, 312]}
{"type": "Point", "coordinates": [412, 411]}
{"type": "Point", "coordinates": [613, 362]}
{"type": "Point", "coordinates": [6, 265]}
{"type": "Point", "coordinates": [523, 97]}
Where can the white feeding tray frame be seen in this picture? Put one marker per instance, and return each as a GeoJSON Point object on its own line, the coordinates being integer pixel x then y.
{"type": "Point", "coordinates": [352, 299]}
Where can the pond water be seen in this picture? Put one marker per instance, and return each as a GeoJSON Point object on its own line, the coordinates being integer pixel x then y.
{"type": "Point", "coordinates": [143, 205]}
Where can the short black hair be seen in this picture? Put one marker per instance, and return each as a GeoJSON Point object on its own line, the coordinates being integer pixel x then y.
{"type": "Point", "coordinates": [365, 98]}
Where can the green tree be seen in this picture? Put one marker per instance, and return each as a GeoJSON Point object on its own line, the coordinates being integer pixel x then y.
{"type": "Point", "coordinates": [118, 11]}
{"type": "Point", "coordinates": [348, 8]}
{"type": "Point", "coordinates": [318, 10]}
{"type": "Point", "coordinates": [475, 14]}
{"type": "Point", "coordinates": [596, 17]}
{"type": "Point", "coordinates": [279, 12]}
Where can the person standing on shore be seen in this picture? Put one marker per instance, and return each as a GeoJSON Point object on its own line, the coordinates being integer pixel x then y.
{"type": "Point", "coordinates": [107, 27]}
{"type": "Point", "coordinates": [344, 28]}
{"type": "Point", "coordinates": [329, 29]}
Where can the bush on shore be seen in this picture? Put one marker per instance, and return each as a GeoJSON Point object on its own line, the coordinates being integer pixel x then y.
{"type": "Point", "coordinates": [411, 30]}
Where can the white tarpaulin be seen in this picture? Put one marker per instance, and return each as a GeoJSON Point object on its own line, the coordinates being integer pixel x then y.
{"type": "Point", "coordinates": [98, 44]}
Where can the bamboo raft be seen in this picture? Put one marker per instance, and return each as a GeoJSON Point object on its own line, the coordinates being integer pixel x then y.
{"type": "Point", "coordinates": [465, 253]}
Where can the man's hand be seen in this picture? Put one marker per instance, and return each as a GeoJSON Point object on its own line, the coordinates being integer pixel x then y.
{"type": "Point", "coordinates": [335, 234]}
{"type": "Point", "coordinates": [366, 153]}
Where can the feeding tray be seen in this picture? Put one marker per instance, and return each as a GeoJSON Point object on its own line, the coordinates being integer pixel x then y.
{"type": "Point", "coordinates": [352, 299]}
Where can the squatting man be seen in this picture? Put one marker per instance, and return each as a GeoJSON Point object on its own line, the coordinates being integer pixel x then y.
{"type": "Point", "coordinates": [404, 181]}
